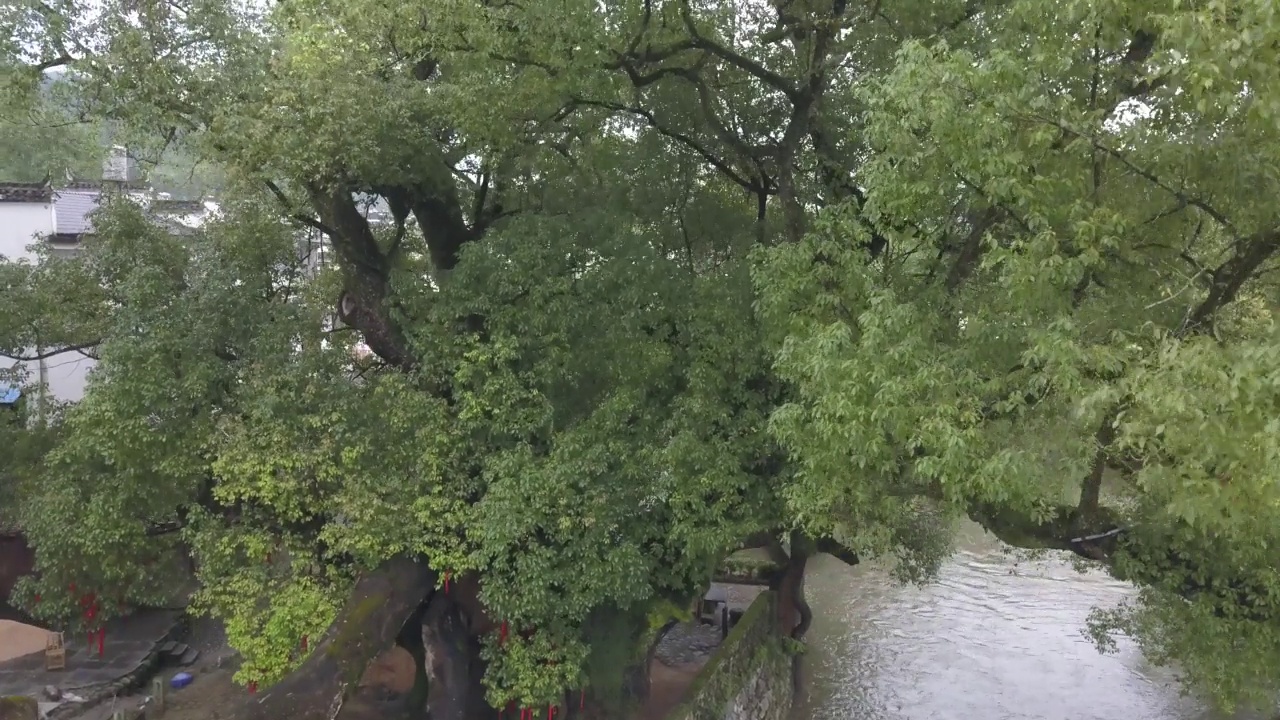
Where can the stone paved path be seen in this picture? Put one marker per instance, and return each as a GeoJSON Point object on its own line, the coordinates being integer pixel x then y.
{"type": "Point", "coordinates": [682, 653]}
{"type": "Point", "coordinates": [128, 643]}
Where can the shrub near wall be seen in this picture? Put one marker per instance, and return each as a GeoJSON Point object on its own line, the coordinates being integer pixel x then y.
{"type": "Point", "coordinates": [749, 676]}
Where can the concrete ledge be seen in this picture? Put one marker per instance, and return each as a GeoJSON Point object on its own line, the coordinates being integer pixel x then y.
{"type": "Point", "coordinates": [748, 677]}
{"type": "Point", "coordinates": [133, 680]}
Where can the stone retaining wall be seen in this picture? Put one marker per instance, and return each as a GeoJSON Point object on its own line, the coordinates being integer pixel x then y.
{"type": "Point", "coordinates": [749, 677]}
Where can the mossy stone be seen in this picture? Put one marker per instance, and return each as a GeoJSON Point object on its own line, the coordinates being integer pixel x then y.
{"type": "Point", "coordinates": [16, 707]}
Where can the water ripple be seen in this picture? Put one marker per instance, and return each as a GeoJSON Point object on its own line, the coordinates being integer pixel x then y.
{"type": "Point", "coordinates": [995, 638]}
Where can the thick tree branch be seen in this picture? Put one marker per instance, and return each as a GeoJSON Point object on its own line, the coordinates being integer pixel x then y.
{"type": "Point", "coordinates": [1052, 527]}
{"type": "Point", "coordinates": [1131, 83]}
{"type": "Point", "coordinates": [837, 550]}
{"type": "Point", "coordinates": [971, 249]}
{"type": "Point", "coordinates": [839, 182]}
{"type": "Point", "coordinates": [751, 67]}
{"type": "Point", "coordinates": [1091, 488]}
{"type": "Point", "coordinates": [290, 208]}
{"type": "Point", "coordinates": [439, 215]}
{"type": "Point", "coordinates": [1145, 174]}
{"type": "Point", "coordinates": [364, 303]}
{"type": "Point", "coordinates": [45, 354]}
{"type": "Point", "coordinates": [689, 142]}
{"type": "Point", "coordinates": [56, 62]}
{"type": "Point", "coordinates": [352, 237]}
{"type": "Point", "coordinates": [1227, 279]}
{"type": "Point", "coordinates": [372, 617]}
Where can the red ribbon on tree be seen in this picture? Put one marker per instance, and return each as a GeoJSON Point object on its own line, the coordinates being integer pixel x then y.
{"type": "Point", "coordinates": [253, 688]}
{"type": "Point", "coordinates": [502, 634]}
{"type": "Point", "coordinates": [582, 699]}
{"type": "Point", "coordinates": [304, 643]}
{"type": "Point", "coordinates": [446, 581]}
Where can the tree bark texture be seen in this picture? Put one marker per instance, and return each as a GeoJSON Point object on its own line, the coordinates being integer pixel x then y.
{"type": "Point", "coordinates": [371, 619]}
{"type": "Point", "coordinates": [454, 668]}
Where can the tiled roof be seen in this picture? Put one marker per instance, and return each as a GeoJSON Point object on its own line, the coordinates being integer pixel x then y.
{"type": "Point", "coordinates": [25, 192]}
{"type": "Point", "coordinates": [71, 209]}
{"type": "Point", "coordinates": [100, 184]}
{"type": "Point", "coordinates": [75, 202]}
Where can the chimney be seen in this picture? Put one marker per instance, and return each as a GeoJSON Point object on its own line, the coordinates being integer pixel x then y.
{"type": "Point", "coordinates": [119, 166]}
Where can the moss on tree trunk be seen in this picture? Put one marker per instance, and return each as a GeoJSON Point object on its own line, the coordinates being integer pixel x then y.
{"type": "Point", "coordinates": [369, 623]}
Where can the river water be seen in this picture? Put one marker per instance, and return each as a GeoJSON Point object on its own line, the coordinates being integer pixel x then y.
{"type": "Point", "coordinates": [996, 637]}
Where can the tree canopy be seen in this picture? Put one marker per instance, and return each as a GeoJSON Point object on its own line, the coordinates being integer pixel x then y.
{"type": "Point", "coordinates": [657, 277]}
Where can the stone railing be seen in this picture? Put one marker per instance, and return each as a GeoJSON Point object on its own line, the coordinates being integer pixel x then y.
{"type": "Point", "coordinates": [749, 677]}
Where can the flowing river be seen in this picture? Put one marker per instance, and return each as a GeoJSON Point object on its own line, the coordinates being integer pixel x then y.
{"type": "Point", "coordinates": [996, 637]}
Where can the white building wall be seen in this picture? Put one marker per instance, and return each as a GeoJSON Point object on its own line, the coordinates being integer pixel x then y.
{"type": "Point", "coordinates": [64, 374]}
{"type": "Point", "coordinates": [22, 224]}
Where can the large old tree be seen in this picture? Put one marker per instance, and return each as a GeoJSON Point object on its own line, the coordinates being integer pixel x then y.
{"type": "Point", "coordinates": [657, 277]}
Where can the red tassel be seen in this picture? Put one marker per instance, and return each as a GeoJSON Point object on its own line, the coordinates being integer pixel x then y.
{"type": "Point", "coordinates": [37, 597]}
{"type": "Point", "coordinates": [446, 582]}
{"type": "Point", "coordinates": [102, 640]}
{"type": "Point", "coordinates": [304, 643]}
{"type": "Point", "coordinates": [253, 688]}
{"type": "Point", "coordinates": [582, 699]}
{"type": "Point", "coordinates": [502, 634]}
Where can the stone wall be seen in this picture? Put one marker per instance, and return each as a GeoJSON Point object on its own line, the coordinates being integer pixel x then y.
{"type": "Point", "coordinates": [749, 677]}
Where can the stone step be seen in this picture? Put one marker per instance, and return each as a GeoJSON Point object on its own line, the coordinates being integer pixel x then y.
{"type": "Point", "coordinates": [189, 657]}
{"type": "Point", "coordinates": [166, 647]}
{"type": "Point", "coordinates": [178, 650]}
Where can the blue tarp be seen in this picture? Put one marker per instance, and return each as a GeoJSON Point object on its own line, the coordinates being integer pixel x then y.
{"type": "Point", "coordinates": [9, 394]}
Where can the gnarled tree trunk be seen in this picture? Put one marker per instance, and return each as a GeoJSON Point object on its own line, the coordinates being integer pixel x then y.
{"type": "Point", "coordinates": [454, 668]}
{"type": "Point", "coordinates": [375, 611]}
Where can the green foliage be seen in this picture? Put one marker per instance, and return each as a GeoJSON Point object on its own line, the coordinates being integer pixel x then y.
{"type": "Point", "coordinates": [657, 278]}
{"type": "Point", "coordinates": [42, 137]}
